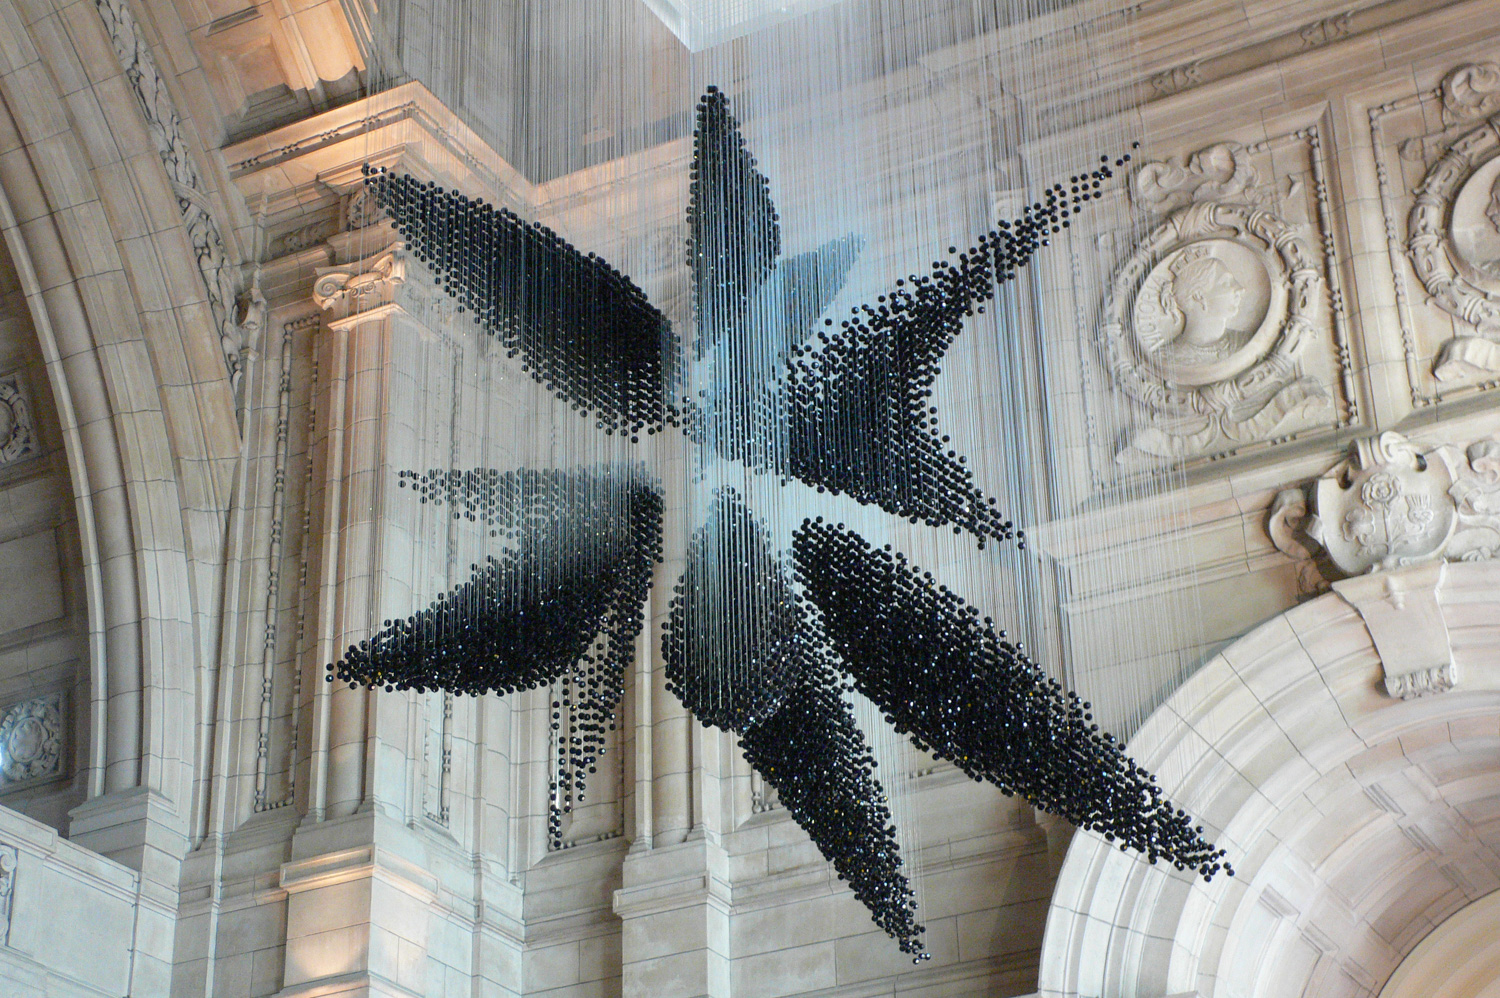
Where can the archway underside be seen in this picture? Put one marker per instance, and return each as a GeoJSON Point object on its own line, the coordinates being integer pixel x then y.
{"type": "Point", "coordinates": [1357, 822]}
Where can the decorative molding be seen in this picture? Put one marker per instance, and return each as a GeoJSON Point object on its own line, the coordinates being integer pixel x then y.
{"type": "Point", "coordinates": [274, 566]}
{"type": "Point", "coordinates": [1395, 246]}
{"type": "Point", "coordinates": [10, 859]}
{"type": "Point", "coordinates": [1391, 505]}
{"type": "Point", "coordinates": [302, 237]}
{"type": "Point", "coordinates": [33, 739]}
{"type": "Point", "coordinates": [193, 198]}
{"type": "Point", "coordinates": [437, 756]}
{"type": "Point", "coordinates": [1178, 78]}
{"type": "Point", "coordinates": [1330, 29]}
{"type": "Point", "coordinates": [301, 648]}
{"type": "Point", "coordinates": [18, 438]}
{"type": "Point", "coordinates": [349, 129]}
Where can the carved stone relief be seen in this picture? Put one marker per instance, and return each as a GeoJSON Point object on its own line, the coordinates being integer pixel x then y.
{"type": "Point", "coordinates": [1210, 322]}
{"type": "Point", "coordinates": [33, 735]}
{"type": "Point", "coordinates": [1454, 244]}
{"type": "Point", "coordinates": [165, 127]}
{"type": "Point", "coordinates": [18, 440]}
{"type": "Point", "coordinates": [1392, 505]}
{"type": "Point", "coordinates": [362, 285]}
{"type": "Point", "coordinates": [1440, 199]}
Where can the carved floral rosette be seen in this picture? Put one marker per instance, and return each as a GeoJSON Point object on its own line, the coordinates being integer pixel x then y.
{"type": "Point", "coordinates": [17, 429]}
{"type": "Point", "coordinates": [1203, 326]}
{"type": "Point", "coordinates": [31, 741]}
{"type": "Point", "coordinates": [1454, 244]}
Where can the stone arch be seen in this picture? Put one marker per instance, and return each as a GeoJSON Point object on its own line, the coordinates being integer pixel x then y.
{"type": "Point", "coordinates": [146, 412]}
{"type": "Point", "coordinates": [1356, 821]}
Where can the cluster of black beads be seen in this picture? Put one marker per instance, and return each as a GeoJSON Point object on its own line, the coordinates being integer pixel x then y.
{"type": "Point", "coordinates": [580, 327]}
{"type": "Point", "coordinates": [812, 751]}
{"type": "Point", "coordinates": [733, 645]}
{"type": "Point", "coordinates": [564, 602]}
{"type": "Point", "coordinates": [738, 654]}
{"type": "Point", "coordinates": [860, 418]}
{"type": "Point", "coordinates": [741, 414]}
{"type": "Point", "coordinates": [945, 677]}
{"type": "Point", "coordinates": [734, 238]}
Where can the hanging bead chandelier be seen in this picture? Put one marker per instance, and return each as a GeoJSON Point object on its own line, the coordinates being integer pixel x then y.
{"type": "Point", "coordinates": [761, 642]}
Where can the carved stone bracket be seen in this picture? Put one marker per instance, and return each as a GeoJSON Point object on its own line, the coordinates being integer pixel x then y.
{"type": "Point", "coordinates": [1204, 323]}
{"type": "Point", "coordinates": [1392, 505]}
{"type": "Point", "coordinates": [1400, 610]}
{"type": "Point", "coordinates": [17, 429]}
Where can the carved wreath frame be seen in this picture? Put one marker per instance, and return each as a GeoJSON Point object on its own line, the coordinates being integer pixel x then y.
{"type": "Point", "coordinates": [1277, 367]}
{"type": "Point", "coordinates": [1428, 226]}
{"type": "Point", "coordinates": [20, 441]}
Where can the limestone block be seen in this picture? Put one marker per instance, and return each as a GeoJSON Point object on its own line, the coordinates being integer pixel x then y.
{"type": "Point", "coordinates": [30, 582]}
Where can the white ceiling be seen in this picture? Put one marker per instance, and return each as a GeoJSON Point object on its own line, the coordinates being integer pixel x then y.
{"type": "Point", "coordinates": [703, 24]}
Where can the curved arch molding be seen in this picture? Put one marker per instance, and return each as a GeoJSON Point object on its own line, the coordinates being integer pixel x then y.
{"type": "Point", "coordinates": [1357, 821]}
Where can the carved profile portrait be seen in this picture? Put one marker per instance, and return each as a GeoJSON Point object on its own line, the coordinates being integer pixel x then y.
{"type": "Point", "coordinates": [1205, 297]}
{"type": "Point", "coordinates": [1200, 309]}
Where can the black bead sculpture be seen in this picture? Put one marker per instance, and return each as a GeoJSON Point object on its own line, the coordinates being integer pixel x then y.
{"type": "Point", "coordinates": [562, 600]}
{"type": "Point", "coordinates": [738, 653]}
{"type": "Point", "coordinates": [750, 646]}
{"type": "Point", "coordinates": [734, 643]}
{"type": "Point", "coordinates": [813, 753]}
{"type": "Point", "coordinates": [964, 693]}
{"type": "Point", "coordinates": [580, 327]}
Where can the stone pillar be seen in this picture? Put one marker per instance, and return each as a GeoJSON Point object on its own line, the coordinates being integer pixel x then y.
{"type": "Point", "coordinates": [359, 894]}
{"type": "Point", "coordinates": [675, 905]}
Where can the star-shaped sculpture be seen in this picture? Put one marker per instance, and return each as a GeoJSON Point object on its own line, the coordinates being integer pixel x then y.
{"type": "Point", "coordinates": [760, 642]}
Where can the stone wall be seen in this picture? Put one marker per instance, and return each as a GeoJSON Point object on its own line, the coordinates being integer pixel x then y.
{"type": "Point", "coordinates": [223, 355]}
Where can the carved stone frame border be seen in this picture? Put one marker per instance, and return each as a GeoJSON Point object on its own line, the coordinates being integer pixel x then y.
{"type": "Point", "coordinates": [1184, 226]}
{"type": "Point", "coordinates": [1396, 248]}
{"type": "Point", "coordinates": [1428, 223]}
